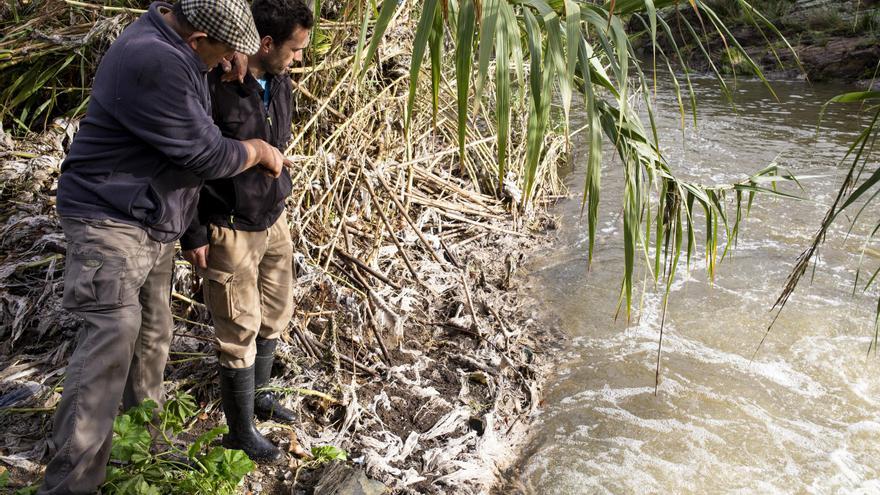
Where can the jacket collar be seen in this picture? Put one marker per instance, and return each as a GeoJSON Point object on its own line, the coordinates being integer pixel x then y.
{"type": "Point", "coordinates": [154, 16]}
{"type": "Point", "coordinates": [251, 85]}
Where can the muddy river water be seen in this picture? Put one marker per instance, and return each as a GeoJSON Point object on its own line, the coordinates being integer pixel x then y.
{"type": "Point", "coordinates": [804, 416]}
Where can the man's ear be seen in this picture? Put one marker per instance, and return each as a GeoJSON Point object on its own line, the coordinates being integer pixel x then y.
{"type": "Point", "coordinates": [193, 39]}
{"type": "Point", "coordinates": [266, 44]}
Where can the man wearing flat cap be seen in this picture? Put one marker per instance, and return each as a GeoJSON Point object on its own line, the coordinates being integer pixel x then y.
{"type": "Point", "coordinates": [127, 191]}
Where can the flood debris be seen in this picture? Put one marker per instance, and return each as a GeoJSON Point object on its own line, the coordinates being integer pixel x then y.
{"type": "Point", "coordinates": [408, 350]}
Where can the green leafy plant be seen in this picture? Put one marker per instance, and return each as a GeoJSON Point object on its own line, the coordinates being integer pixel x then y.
{"type": "Point", "coordinates": [321, 455]}
{"type": "Point", "coordinates": [142, 464]}
{"type": "Point", "coordinates": [328, 453]}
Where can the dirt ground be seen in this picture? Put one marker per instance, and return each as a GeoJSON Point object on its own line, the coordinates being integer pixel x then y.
{"type": "Point", "coordinates": [442, 412]}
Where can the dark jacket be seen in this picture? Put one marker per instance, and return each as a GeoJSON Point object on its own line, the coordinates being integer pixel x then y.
{"type": "Point", "coordinates": [148, 140]}
{"type": "Point", "coordinates": [250, 201]}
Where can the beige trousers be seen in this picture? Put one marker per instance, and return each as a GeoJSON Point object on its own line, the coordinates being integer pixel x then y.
{"type": "Point", "coordinates": [248, 288]}
{"type": "Point", "coordinates": [119, 281]}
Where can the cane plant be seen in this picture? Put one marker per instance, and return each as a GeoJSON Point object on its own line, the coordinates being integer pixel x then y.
{"type": "Point", "coordinates": [544, 49]}
{"type": "Point", "coordinates": [513, 58]}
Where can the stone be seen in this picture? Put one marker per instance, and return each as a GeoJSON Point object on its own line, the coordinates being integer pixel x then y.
{"type": "Point", "coordinates": [342, 479]}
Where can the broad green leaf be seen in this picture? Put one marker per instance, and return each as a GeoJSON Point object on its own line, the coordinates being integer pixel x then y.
{"type": "Point", "coordinates": [488, 25]}
{"type": "Point", "coordinates": [326, 453]}
{"type": "Point", "coordinates": [362, 41]}
{"type": "Point", "coordinates": [855, 97]}
{"type": "Point", "coordinates": [423, 32]}
{"type": "Point", "coordinates": [177, 411]}
{"type": "Point", "coordinates": [652, 19]}
{"type": "Point", "coordinates": [385, 15]}
{"type": "Point", "coordinates": [515, 42]}
{"type": "Point", "coordinates": [573, 38]}
{"type": "Point", "coordinates": [535, 131]}
{"type": "Point", "coordinates": [235, 465]}
{"type": "Point", "coordinates": [129, 438]}
{"type": "Point", "coordinates": [204, 439]}
{"type": "Point", "coordinates": [502, 92]}
{"type": "Point", "coordinates": [594, 158]}
{"type": "Point", "coordinates": [435, 43]}
{"type": "Point", "coordinates": [463, 48]}
{"type": "Point", "coordinates": [143, 413]}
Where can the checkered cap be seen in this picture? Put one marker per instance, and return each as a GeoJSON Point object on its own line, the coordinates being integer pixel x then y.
{"type": "Point", "coordinates": [229, 21]}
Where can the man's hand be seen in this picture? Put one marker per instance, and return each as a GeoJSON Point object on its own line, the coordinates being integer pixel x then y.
{"type": "Point", "coordinates": [262, 154]}
{"type": "Point", "coordinates": [271, 172]}
{"type": "Point", "coordinates": [198, 256]}
{"type": "Point", "coordinates": [272, 161]}
{"type": "Point", "coordinates": [235, 69]}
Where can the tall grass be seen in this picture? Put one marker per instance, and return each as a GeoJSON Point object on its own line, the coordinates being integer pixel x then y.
{"type": "Point", "coordinates": [48, 53]}
{"type": "Point", "coordinates": [509, 61]}
{"type": "Point", "coordinates": [548, 49]}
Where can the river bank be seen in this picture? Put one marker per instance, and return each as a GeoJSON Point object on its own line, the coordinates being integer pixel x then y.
{"type": "Point", "coordinates": [427, 379]}
{"type": "Point", "coordinates": [834, 41]}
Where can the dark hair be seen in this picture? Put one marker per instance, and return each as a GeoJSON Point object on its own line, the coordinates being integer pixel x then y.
{"type": "Point", "coordinates": [180, 17]}
{"type": "Point", "coordinates": [279, 18]}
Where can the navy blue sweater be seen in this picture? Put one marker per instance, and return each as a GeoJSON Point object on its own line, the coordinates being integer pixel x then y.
{"type": "Point", "coordinates": [148, 141]}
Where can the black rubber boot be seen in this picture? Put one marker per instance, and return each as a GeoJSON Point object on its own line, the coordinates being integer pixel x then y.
{"type": "Point", "coordinates": [237, 396]}
{"type": "Point", "coordinates": [266, 405]}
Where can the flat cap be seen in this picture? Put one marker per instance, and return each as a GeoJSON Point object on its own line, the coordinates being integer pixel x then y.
{"type": "Point", "coordinates": [228, 21]}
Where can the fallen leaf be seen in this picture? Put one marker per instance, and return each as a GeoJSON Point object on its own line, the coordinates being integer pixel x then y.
{"type": "Point", "coordinates": [296, 449]}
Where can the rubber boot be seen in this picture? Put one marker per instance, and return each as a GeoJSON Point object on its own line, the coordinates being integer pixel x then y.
{"type": "Point", "coordinates": [237, 396]}
{"type": "Point", "coordinates": [266, 405]}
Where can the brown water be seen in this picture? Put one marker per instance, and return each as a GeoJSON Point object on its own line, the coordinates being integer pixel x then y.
{"type": "Point", "coordinates": [804, 416]}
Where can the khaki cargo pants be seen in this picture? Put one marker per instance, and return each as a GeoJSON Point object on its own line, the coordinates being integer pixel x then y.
{"type": "Point", "coordinates": [119, 281]}
{"type": "Point", "coordinates": [248, 288]}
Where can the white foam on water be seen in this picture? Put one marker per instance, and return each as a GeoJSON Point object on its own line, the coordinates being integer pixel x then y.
{"type": "Point", "coordinates": [847, 466]}
{"type": "Point", "coordinates": [643, 339]}
{"type": "Point", "coordinates": [847, 475]}
{"type": "Point", "coordinates": [693, 433]}
{"type": "Point", "coordinates": [804, 417]}
{"type": "Point", "coordinates": [862, 427]}
{"type": "Point", "coordinates": [839, 360]}
{"type": "Point", "coordinates": [627, 464]}
{"type": "Point", "coordinates": [606, 394]}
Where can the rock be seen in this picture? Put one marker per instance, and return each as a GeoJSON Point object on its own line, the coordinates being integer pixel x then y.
{"type": "Point", "coordinates": [847, 11]}
{"type": "Point", "coordinates": [841, 58]}
{"type": "Point", "coordinates": [342, 479]}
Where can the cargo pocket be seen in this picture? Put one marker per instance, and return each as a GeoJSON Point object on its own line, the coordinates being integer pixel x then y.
{"type": "Point", "coordinates": [220, 293]}
{"type": "Point", "coordinates": [93, 281]}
